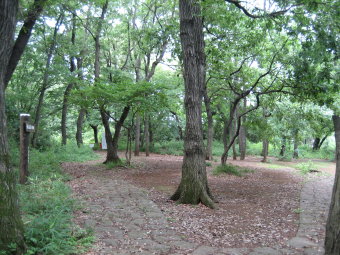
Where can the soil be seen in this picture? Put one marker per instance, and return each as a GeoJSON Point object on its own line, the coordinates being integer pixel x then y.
{"type": "Point", "coordinates": [258, 209]}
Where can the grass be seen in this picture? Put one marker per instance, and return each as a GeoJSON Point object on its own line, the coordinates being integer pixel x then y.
{"type": "Point", "coordinates": [112, 165]}
{"type": "Point", "coordinates": [46, 203]}
{"type": "Point", "coordinates": [274, 166]}
{"type": "Point", "coordinates": [232, 170]}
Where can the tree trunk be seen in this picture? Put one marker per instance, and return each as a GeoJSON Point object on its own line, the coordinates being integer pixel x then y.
{"type": "Point", "coordinates": [265, 146]}
{"type": "Point", "coordinates": [137, 135]}
{"type": "Point", "coordinates": [234, 152]}
{"type": "Point", "coordinates": [24, 35]}
{"type": "Point", "coordinates": [95, 134]}
{"type": "Point", "coordinates": [147, 135]}
{"type": "Point", "coordinates": [115, 140]}
{"type": "Point", "coordinates": [179, 128]}
{"type": "Point", "coordinates": [210, 137]}
{"type": "Point", "coordinates": [316, 144]}
{"type": "Point", "coordinates": [45, 81]}
{"type": "Point", "coordinates": [296, 145]}
{"type": "Point", "coordinates": [68, 88]}
{"type": "Point", "coordinates": [80, 122]}
{"type": "Point", "coordinates": [332, 240]}
{"type": "Point", "coordinates": [322, 140]}
{"type": "Point", "coordinates": [111, 156]}
{"type": "Point", "coordinates": [10, 219]}
{"type": "Point", "coordinates": [193, 187]}
{"type": "Point", "coordinates": [242, 136]}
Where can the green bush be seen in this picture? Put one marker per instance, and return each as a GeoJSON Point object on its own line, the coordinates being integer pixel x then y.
{"type": "Point", "coordinates": [46, 204]}
{"type": "Point", "coordinates": [169, 147]}
{"type": "Point", "coordinates": [231, 169]}
{"type": "Point", "coordinates": [306, 167]}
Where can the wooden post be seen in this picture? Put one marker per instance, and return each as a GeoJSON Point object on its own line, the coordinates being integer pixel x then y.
{"type": "Point", "coordinates": [24, 142]}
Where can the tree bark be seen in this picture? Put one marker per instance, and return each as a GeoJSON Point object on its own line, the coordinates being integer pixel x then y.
{"type": "Point", "coordinates": [296, 145]}
{"type": "Point", "coordinates": [80, 122]}
{"type": "Point", "coordinates": [45, 81]}
{"type": "Point", "coordinates": [23, 37]}
{"type": "Point", "coordinates": [210, 137]}
{"type": "Point", "coordinates": [137, 135]}
{"type": "Point", "coordinates": [95, 134]}
{"type": "Point", "coordinates": [68, 88]}
{"type": "Point", "coordinates": [316, 144]}
{"type": "Point", "coordinates": [179, 128]}
{"type": "Point", "coordinates": [265, 146]}
{"type": "Point", "coordinates": [242, 136]}
{"type": "Point", "coordinates": [147, 135]}
{"type": "Point", "coordinates": [10, 219]}
{"type": "Point", "coordinates": [234, 127]}
{"type": "Point", "coordinates": [112, 154]}
{"type": "Point", "coordinates": [332, 240]}
{"type": "Point", "coordinates": [82, 112]}
{"type": "Point", "coordinates": [193, 187]}
{"type": "Point", "coordinates": [322, 140]}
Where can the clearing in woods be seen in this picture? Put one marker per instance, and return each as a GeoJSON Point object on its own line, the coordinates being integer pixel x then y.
{"type": "Point", "coordinates": [271, 210]}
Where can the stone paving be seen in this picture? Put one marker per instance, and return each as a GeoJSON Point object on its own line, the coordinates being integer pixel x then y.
{"type": "Point", "coordinates": [125, 221]}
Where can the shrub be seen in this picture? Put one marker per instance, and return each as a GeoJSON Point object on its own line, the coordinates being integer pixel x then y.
{"type": "Point", "coordinates": [306, 167]}
{"type": "Point", "coordinates": [46, 204]}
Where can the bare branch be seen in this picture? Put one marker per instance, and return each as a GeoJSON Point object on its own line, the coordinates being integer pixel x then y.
{"type": "Point", "coordinates": [266, 15]}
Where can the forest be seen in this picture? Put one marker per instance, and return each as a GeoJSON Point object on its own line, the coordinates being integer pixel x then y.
{"type": "Point", "coordinates": [170, 127]}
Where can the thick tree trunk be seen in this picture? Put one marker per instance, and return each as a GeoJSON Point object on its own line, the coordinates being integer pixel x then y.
{"type": "Point", "coordinates": [111, 156]}
{"type": "Point", "coordinates": [95, 134]}
{"type": "Point", "coordinates": [193, 187]}
{"type": "Point", "coordinates": [118, 128]}
{"type": "Point", "coordinates": [80, 122]}
{"type": "Point", "coordinates": [242, 139]}
{"type": "Point", "coordinates": [68, 88]}
{"type": "Point", "coordinates": [265, 146]}
{"type": "Point", "coordinates": [332, 241]}
{"type": "Point", "coordinates": [10, 219]}
{"type": "Point", "coordinates": [137, 135]}
{"type": "Point", "coordinates": [147, 135]}
{"type": "Point", "coordinates": [23, 37]}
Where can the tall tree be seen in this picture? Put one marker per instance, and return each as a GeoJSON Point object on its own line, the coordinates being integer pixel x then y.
{"type": "Point", "coordinates": [46, 76]}
{"type": "Point", "coordinates": [332, 240]}
{"type": "Point", "coordinates": [23, 37]}
{"type": "Point", "coordinates": [68, 87]}
{"type": "Point", "coordinates": [193, 187]}
{"type": "Point", "coordinates": [10, 219]}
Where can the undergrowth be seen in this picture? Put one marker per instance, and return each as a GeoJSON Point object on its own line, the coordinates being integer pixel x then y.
{"type": "Point", "coordinates": [120, 163]}
{"type": "Point", "coordinates": [231, 169]}
{"type": "Point", "coordinates": [306, 167]}
{"type": "Point", "coordinates": [46, 203]}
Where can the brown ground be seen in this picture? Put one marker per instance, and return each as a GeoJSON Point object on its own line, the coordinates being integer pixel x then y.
{"type": "Point", "coordinates": [258, 209]}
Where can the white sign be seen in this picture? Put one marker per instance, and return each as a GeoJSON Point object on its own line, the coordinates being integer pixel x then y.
{"type": "Point", "coordinates": [104, 144]}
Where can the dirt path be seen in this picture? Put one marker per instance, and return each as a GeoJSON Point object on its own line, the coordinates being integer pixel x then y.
{"type": "Point", "coordinates": [257, 214]}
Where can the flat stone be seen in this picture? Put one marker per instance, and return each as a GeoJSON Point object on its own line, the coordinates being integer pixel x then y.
{"type": "Point", "coordinates": [183, 245]}
{"type": "Point", "coordinates": [265, 251]}
{"type": "Point", "coordinates": [205, 250]}
{"type": "Point", "coordinates": [235, 251]}
{"type": "Point", "coordinates": [316, 251]}
{"type": "Point", "coordinates": [301, 242]}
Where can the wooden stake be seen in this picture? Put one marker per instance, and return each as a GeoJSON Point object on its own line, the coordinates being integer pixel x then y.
{"type": "Point", "coordinates": [24, 142]}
